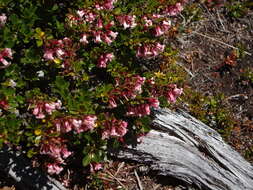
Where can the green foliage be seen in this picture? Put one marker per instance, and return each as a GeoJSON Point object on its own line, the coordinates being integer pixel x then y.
{"type": "Point", "coordinates": [212, 110]}
{"type": "Point", "coordinates": [248, 75]}
{"type": "Point", "coordinates": [35, 82]}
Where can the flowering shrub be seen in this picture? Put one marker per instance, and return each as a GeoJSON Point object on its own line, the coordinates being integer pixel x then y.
{"type": "Point", "coordinates": [73, 76]}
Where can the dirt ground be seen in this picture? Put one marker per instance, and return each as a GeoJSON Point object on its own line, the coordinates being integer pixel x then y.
{"type": "Point", "coordinates": [207, 54]}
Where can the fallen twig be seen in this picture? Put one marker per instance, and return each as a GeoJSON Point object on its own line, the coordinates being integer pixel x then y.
{"type": "Point", "coordinates": [110, 174]}
{"type": "Point", "coordinates": [223, 43]}
{"type": "Point", "coordinates": [138, 180]}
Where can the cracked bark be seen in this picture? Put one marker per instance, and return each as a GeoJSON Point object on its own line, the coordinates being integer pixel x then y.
{"type": "Point", "coordinates": [184, 148]}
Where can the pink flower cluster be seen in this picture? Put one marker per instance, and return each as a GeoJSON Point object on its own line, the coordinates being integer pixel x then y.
{"type": "Point", "coordinates": [128, 21]}
{"type": "Point", "coordinates": [114, 128]}
{"type": "Point", "coordinates": [150, 50]}
{"type": "Point", "coordinates": [85, 15]}
{"type": "Point", "coordinates": [64, 125]}
{"type": "Point", "coordinates": [5, 53]}
{"type": "Point", "coordinates": [128, 89]}
{"type": "Point", "coordinates": [147, 22]}
{"type": "Point", "coordinates": [143, 109]}
{"type": "Point", "coordinates": [58, 49]}
{"type": "Point", "coordinates": [57, 150]}
{"type": "Point", "coordinates": [106, 5]}
{"type": "Point", "coordinates": [173, 92]}
{"type": "Point", "coordinates": [103, 59]}
{"type": "Point", "coordinates": [3, 19]}
{"type": "Point", "coordinates": [100, 33]}
{"type": "Point", "coordinates": [107, 36]}
{"type": "Point", "coordinates": [54, 168]}
{"type": "Point", "coordinates": [162, 28]}
{"type": "Point", "coordinates": [42, 108]}
{"type": "Point", "coordinates": [174, 10]}
{"type": "Point", "coordinates": [4, 104]}
{"type": "Point", "coordinates": [170, 91]}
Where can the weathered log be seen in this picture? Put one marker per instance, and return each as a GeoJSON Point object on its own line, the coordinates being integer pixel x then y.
{"type": "Point", "coordinates": [186, 149]}
{"type": "Point", "coordinates": [16, 166]}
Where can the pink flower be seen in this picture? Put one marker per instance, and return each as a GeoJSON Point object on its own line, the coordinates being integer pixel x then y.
{"type": "Point", "coordinates": [166, 24]}
{"type": "Point", "coordinates": [159, 47]}
{"type": "Point", "coordinates": [107, 5]}
{"type": "Point", "coordinates": [90, 17]}
{"type": "Point", "coordinates": [65, 153]}
{"type": "Point", "coordinates": [4, 62]}
{"type": "Point", "coordinates": [77, 125]}
{"type": "Point", "coordinates": [153, 102]}
{"type": "Point", "coordinates": [49, 108]}
{"type": "Point", "coordinates": [173, 93]}
{"type": "Point", "coordinates": [109, 25]}
{"type": "Point", "coordinates": [112, 103]}
{"type": "Point", "coordinates": [128, 21]}
{"type": "Point", "coordinates": [161, 29]}
{"type": "Point", "coordinates": [41, 108]}
{"type": "Point", "coordinates": [56, 149]}
{"type": "Point", "coordinates": [99, 23]}
{"type": "Point", "coordinates": [97, 35]}
{"type": "Point", "coordinates": [4, 104]}
{"type": "Point", "coordinates": [84, 39]}
{"type": "Point", "coordinates": [54, 168]}
{"type": "Point", "coordinates": [89, 122]}
{"type": "Point", "coordinates": [95, 167]}
{"type": "Point", "coordinates": [58, 104]}
{"type": "Point", "coordinates": [67, 126]}
{"type": "Point", "coordinates": [156, 16]}
{"type": "Point", "coordinates": [107, 39]}
{"type": "Point", "coordinates": [173, 10]}
{"type": "Point", "coordinates": [149, 50]}
{"type": "Point", "coordinates": [128, 89]}
{"type": "Point", "coordinates": [139, 81]}
{"type": "Point", "coordinates": [158, 31]}
{"type": "Point", "coordinates": [139, 110]}
{"type": "Point", "coordinates": [36, 111]}
{"type": "Point", "coordinates": [67, 41]}
{"type": "Point", "coordinates": [103, 59]}
{"type": "Point", "coordinates": [113, 34]}
{"type": "Point", "coordinates": [48, 55]}
{"type": "Point", "coordinates": [114, 128]}
{"type": "Point", "coordinates": [3, 19]}
{"type": "Point", "coordinates": [59, 52]}
{"type": "Point", "coordinates": [80, 13]}
{"type": "Point", "coordinates": [6, 52]}
{"type": "Point", "coordinates": [148, 22]}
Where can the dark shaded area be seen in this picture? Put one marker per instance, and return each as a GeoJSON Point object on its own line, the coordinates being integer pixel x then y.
{"type": "Point", "coordinates": [15, 165]}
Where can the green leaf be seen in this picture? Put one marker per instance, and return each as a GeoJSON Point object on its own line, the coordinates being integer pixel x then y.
{"type": "Point", "coordinates": [86, 160]}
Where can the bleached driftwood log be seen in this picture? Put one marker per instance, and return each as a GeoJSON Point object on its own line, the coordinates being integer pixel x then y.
{"type": "Point", "coordinates": [184, 148]}
{"type": "Point", "coordinates": [16, 166]}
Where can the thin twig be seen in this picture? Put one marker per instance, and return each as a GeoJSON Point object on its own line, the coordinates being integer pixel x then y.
{"type": "Point", "coordinates": [187, 70]}
{"type": "Point", "coordinates": [223, 43]}
{"type": "Point", "coordinates": [117, 180]}
{"type": "Point", "coordinates": [220, 21]}
{"type": "Point", "coordinates": [157, 186]}
{"type": "Point", "coordinates": [119, 168]}
{"type": "Point", "coordinates": [138, 180]}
